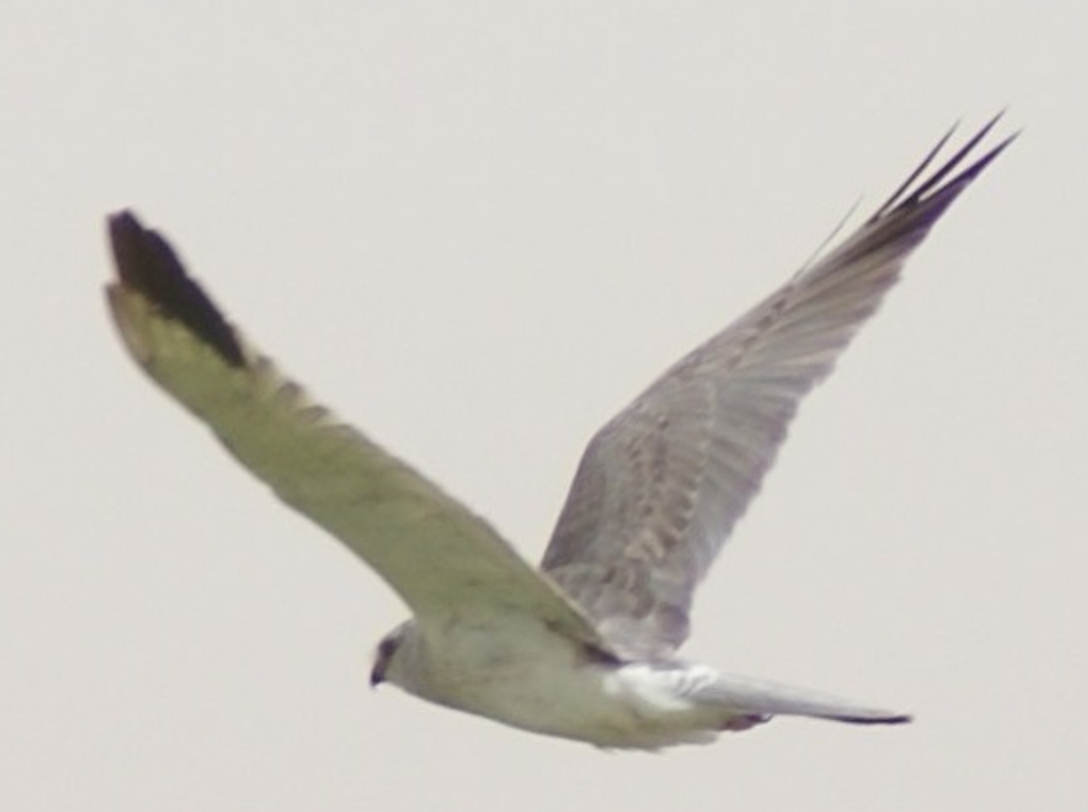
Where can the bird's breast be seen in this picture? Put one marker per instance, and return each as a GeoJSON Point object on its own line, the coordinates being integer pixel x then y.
{"type": "Point", "coordinates": [517, 671]}
{"type": "Point", "coordinates": [512, 669]}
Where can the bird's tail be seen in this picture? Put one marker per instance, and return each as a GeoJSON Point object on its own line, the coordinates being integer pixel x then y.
{"type": "Point", "coordinates": [759, 699]}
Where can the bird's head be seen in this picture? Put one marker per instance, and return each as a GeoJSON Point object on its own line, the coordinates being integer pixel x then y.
{"type": "Point", "coordinates": [385, 668]}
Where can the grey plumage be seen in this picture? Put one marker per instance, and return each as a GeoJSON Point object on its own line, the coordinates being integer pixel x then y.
{"type": "Point", "coordinates": [660, 487]}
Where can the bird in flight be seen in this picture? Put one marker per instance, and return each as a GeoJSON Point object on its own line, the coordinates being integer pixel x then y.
{"type": "Point", "coordinates": [583, 647]}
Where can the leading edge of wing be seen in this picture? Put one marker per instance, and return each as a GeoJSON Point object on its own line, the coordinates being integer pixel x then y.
{"type": "Point", "coordinates": [661, 486]}
{"type": "Point", "coordinates": [433, 551]}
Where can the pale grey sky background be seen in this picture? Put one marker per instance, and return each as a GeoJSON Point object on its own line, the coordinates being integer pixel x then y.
{"type": "Point", "coordinates": [477, 229]}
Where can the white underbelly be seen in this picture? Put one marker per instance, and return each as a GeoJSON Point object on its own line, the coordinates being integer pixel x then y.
{"type": "Point", "coordinates": [525, 676]}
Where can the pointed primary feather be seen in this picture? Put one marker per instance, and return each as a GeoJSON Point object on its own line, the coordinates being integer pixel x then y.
{"type": "Point", "coordinates": [660, 487]}
{"type": "Point", "coordinates": [436, 554]}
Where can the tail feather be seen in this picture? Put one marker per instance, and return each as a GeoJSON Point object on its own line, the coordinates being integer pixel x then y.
{"type": "Point", "coordinates": [748, 697]}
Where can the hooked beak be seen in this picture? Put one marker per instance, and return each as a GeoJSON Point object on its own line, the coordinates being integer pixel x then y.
{"type": "Point", "coordinates": [377, 673]}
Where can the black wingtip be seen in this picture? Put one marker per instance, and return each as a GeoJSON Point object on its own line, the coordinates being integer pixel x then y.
{"type": "Point", "coordinates": [935, 186]}
{"type": "Point", "coordinates": [972, 171]}
{"type": "Point", "coordinates": [147, 264]}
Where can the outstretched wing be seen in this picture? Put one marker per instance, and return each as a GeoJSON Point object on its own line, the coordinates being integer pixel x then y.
{"type": "Point", "coordinates": [435, 553]}
{"type": "Point", "coordinates": [660, 487]}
